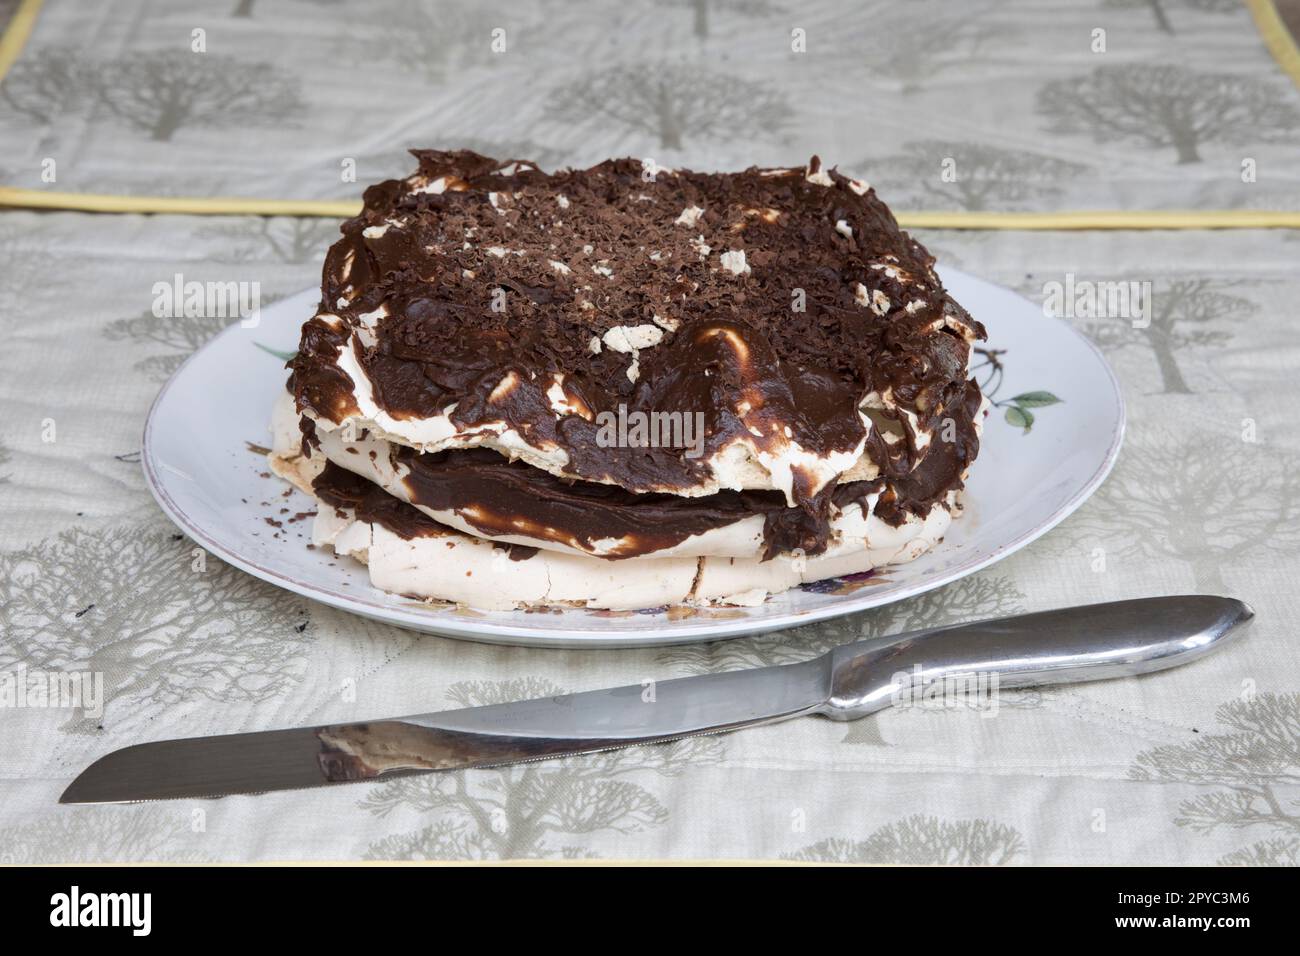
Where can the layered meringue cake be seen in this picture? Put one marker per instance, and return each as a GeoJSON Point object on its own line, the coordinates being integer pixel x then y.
{"type": "Point", "coordinates": [627, 387]}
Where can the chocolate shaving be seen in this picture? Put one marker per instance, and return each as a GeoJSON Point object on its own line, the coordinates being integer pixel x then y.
{"type": "Point", "coordinates": [837, 303]}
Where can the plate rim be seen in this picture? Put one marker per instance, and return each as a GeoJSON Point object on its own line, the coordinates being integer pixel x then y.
{"type": "Point", "coordinates": [658, 635]}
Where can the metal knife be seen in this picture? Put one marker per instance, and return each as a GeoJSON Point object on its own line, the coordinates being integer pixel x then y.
{"type": "Point", "coordinates": [1092, 642]}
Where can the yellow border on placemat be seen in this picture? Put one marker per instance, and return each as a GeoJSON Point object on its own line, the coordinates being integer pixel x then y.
{"type": "Point", "coordinates": [1276, 37]}
{"type": "Point", "coordinates": [343, 208]}
{"type": "Point", "coordinates": [1105, 219]}
{"type": "Point", "coordinates": [1271, 28]}
{"type": "Point", "coordinates": [177, 205]}
{"type": "Point", "coordinates": [15, 37]}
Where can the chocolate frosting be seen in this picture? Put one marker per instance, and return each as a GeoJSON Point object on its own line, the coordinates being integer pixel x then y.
{"type": "Point", "coordinates": [735, 347]}
{"type": "Point", "coordinates": [499, 497]}
{"type": "Point", "coordinates": [343, 490]}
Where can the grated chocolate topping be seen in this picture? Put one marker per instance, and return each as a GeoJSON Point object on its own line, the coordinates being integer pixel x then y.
{"type": "Point", "coordinates": [779, 301]}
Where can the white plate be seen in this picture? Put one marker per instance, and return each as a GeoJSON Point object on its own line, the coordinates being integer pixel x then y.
{"type": "Point", "coordinates": [199, 466]}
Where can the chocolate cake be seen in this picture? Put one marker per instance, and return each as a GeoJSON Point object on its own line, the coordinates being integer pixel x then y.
{"type": "Point", "coordinates": [630, 366]}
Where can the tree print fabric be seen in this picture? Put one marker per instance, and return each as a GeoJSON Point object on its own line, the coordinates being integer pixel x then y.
{"type": "Point", "coordinates": [1198, 765]}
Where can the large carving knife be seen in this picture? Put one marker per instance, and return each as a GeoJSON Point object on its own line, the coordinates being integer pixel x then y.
{"type": "Point", "coordinates": [1076, 644]}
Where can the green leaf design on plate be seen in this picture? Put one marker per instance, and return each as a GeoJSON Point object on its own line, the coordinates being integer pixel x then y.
{"type": "Point", "coordinates": [1019, 417]}
{"type": "Point", "coordinates": [283, 356]}
{"type": "Point", "coordinates": [1035, 400]}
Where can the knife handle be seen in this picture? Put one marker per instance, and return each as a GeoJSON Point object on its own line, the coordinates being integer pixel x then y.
{"type": "Point", "coordinates": [1092, 642]}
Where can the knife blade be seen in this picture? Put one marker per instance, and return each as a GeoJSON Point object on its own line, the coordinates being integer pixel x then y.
{"type": "Point", "coordinates": [1091, 642]}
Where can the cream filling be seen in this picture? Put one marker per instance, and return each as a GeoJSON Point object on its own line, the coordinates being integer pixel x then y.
{"type": "Point", "coordinates": [372, 459]}
{"type": "Point", "coordinates": [740, 465]}
{"type": "Point", "coordinates": [468, 570]}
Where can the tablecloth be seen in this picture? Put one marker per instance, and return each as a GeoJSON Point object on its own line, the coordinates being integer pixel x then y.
{"type": "Point", "coordinates": [1173, 105]}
